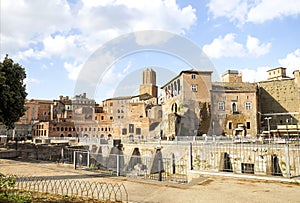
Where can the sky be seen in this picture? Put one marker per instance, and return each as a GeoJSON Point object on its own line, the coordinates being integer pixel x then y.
{"type": "Point", "coordinates": [56, 40]}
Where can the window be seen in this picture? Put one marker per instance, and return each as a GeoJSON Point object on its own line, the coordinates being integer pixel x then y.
{"type": "Point", "coordinates": [111, 104]}
{"type": "Point", "coordinates": [248, 125]}
{"type": "Point", "coordinates": [111, 118]}
{"type": "Point", "coordinates": [230, 125]}
{"type": "Point", "coordinates": [234, 107]}
{"type": "Point", "coordinates": [194, 88]}
{"type": "Point", "coordinates": [193, 76]}
{"type": "Point", "coordinates": [102, 118]}
{"type": "Point", "coordinates": [124, 131]}
{"type": "Point", "coordinates": [131, 128]}
{"type": "Point", "coordinates": [248, 105]}
{"type": "Point", "coordinates": [221, 106]}
{"type": "Point", "coordinates": [138, 131]}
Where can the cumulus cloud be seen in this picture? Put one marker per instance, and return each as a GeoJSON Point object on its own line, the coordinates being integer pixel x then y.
{"type": "Point", "coordinates": [27, 22]}
{"type": "Point", "coordinates": [235, 10]}
{"type": "Point", "coordinates": [77, 29]}
{"type": "Point", "coordinates": [255, 48]}
{"type": "Point", "coordinates": [268, 10]}
{"type": "Point", "coordinates": [73, 70]}
{"type": "Point", "coordinates": [224, 47]}
{"type": "Point", "coordinates": [241, 11]}
{"type": "Point", "coordinates": [257, 75]}
{"type": "Point", "coordinates": [228, 47]}
{"type": "Point", "coordinates": [291, 62]}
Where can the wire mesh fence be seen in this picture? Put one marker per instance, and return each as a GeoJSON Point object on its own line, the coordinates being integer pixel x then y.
{"type": "Point", "coordinates": [95, 190]}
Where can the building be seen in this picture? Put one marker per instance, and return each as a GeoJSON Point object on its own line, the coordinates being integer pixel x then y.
{"type": "Point", "coordinates": [186, 104]}
{"type": "Point", "coordinates": [234, 106]}
{"type": "Point", "coordinates": [232, 76]}
{"type": "Point", "coordinates": [36, 110]}
{"type": "Point", "coordinates": [148, 85]}
{"type": "Point", "coordinates": [279, 105]}
{"type": "Point", "coordinates": [132, 116]}
{"type": "Point", "coordinates": [61, 108]}
{"type": "Point", "coordinates": [234, 109]}
{"type": "Point", "coordinates": [277, 74]}
{"type": "Point", "coordinates": [48, 129]}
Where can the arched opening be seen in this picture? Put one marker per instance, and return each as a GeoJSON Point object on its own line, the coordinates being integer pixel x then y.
{"type": "Point", "coordinates": [62, 135]}
{"type": "Point", "coordinates": [174, 108]}
{"type": "Point", "coordinates": [234, 107]}
{"type": "Point", "coordinates": [69, 135]}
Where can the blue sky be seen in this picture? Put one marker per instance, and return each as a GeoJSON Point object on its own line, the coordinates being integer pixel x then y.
{"type": "Point", "coordinates": [53, 40]}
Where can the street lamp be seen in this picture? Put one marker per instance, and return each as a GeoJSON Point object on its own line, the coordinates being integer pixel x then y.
{"type": "Point", "coordinates": [268, 119]}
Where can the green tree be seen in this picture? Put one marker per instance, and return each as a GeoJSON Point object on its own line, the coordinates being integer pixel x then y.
{"type": "Point", "coordinates": [12, 92]}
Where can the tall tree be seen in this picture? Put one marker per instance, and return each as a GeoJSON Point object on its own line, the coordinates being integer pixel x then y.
{"type": "Point", "coordinates": [12, 92]}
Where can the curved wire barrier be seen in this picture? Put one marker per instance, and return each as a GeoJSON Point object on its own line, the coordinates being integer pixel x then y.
{"type": "Point", "coordinates": [95, 190]}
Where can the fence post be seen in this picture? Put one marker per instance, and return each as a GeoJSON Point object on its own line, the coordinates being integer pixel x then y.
{"type": "Point", "coordinates": [74, 158]}
{"type": "Point", "coordinates": [173, 163]}
{"type": "Point", "coordinates": [159, 170]}
{"type": "Point", "coordinates": [287, 157]}
{"type": "Point", "coordinates": [88, 159]}
{"type": "Point", "coordinates": [62, 154]}
{"type": "Point", "coordinates": [191, 157]}
{"type": "Point", "coordinates": [118, 165]}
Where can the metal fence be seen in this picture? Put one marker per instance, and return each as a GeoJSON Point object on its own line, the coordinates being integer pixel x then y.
{"type": "Point", "coordinates": [250, 158]}
{"type": "Point", "coordinates": [142, 167]}
{"type": "Point", "coordinates": [134, 166]}
{"type": "Point", "coordinates": [95, 190]}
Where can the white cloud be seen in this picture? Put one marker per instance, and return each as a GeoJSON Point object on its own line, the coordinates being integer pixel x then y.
{"type": "Point", "coordinates": [224, 47]}
{"type": "Point", "coordinates": [228, 47]}
{"type": "Point", "coordinates": [253, 11]}
{"type": "Point", "coordinates": [30, 81]}
{"type": "Point", "coordinates": [27, 22]}
{"type": "Point", "coordinates": [73, 70]}
{"type": "Point", "coordinates": [29, 53]}
{"type": "Point", "coordinates": [271, 9]}
{"type": "Point", "coordinates": [31, 29]}
{"type": "Point", "coordinates": [235, 10]}
{"type": "Point", "coordinates": [250, 75]}
{"type": "Point", "coordinates": [255, 48]}
{"type": "Point", "coordinates": [291, 62]}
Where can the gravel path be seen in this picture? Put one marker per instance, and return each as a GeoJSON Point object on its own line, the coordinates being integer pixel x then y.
{"type": "Point", "coordinates": [204, 189]}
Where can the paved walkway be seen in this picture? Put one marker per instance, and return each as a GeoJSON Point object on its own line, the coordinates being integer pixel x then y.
{"type": "Point", "coordinates": [207, 188]}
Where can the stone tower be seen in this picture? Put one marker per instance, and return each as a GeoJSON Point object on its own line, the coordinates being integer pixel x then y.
{"type": "Point", "coordinates": [232, 76]}
{"type": "Point", "coordinates": [149, 83]}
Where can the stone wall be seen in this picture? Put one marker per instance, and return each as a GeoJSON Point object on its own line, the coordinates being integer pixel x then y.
{"type": "Point", "coordinates": [280, 100]}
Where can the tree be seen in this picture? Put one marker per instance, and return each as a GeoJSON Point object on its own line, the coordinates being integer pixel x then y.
{"type": "Point", "coordinates": [12, 92]}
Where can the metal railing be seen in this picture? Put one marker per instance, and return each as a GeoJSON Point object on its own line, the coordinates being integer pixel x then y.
{"type": "Point", "coordinates": [95, 190]}
{"type": "Point", "coordinates": [250, 158]}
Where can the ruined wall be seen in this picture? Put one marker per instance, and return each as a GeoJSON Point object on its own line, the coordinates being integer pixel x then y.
{"type": "Point", "coordinates": [280, 100]}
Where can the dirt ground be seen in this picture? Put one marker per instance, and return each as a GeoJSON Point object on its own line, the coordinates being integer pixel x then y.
{"type": "Point", "coordinates": [204, 189]}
